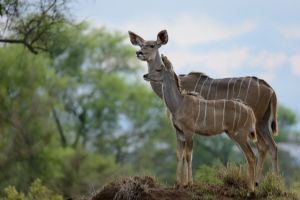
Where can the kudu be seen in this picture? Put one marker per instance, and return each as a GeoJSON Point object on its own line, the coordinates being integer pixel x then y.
{"type": "Point", "coordinates": [253, 91]}
{"type": "Point", "coordinates": [194, 114]}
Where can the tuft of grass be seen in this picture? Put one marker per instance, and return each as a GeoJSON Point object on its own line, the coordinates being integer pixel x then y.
{"type": "Point", "coordinates": [233, 176]}
{"type": "Point", "coordinates": [271, 185]}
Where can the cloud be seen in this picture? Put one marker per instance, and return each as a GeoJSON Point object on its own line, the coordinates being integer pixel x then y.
{"type": "Point", "coordinates": [295, 63]}
{"type": "Point", "coordinates": [221, 61]}
{"type": "Point", "coordinates": [187, 30]}
{"type": "Point", "coordinates": [268, 60]}
{"type": "Point", "coordinates": [290, 32]}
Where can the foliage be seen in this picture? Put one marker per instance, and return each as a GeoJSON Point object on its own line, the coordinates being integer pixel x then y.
{"type": "Point", "coordinates": [31, 23]}
{"type": "Point", "coordinates": [36, 191]}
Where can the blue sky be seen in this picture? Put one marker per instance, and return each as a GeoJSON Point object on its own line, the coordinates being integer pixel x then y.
{"type": "Point", "coordinates": [220, 38]}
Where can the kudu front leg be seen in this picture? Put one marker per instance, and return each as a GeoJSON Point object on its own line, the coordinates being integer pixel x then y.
{"type": "Point", "coordinates": [188, 156]}
{"type": "Point", "coordinates": [180, 159]}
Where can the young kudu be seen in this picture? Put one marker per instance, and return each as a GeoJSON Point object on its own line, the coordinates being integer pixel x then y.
{"type": "Point", "coordinates": [253, 91]}
{"type": "Point", "coordinates": [193, 114]}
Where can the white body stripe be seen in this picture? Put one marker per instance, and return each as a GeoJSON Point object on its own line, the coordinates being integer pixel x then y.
{"type": "Point", "coordinates": [247, 117]}
{"type": "Point", "coordinates": [197, 83]}
{"type": "Point", "coordinates": [233, 88]}
{"type": "Point", "coordinates": [228, 88]}
{"type": "Point", "coordinates": [204, 120]}
{"type": "Point", "coordinates": [240, 88]}
{"type": "Point", "coordinates": [234, 117]}
{"type": "Point", "coordinates": [258, 93]}
{"type": "Point", "coordinates": [214, 113]}
{"type": "Point", "coordinates": [203, 85]}
{"type": "Point", "coordinates": [223, 115]}
{"type": "Point", "coordinates": [248, 89]}
{"type": "Point", "coordinates": [239, 114]}
{"type": "Point", "coordinates": [196, 122]}
{"type": "Point", "coordinates": [209, 88]}
{"type": "Point", "coordinates": [216, 90]}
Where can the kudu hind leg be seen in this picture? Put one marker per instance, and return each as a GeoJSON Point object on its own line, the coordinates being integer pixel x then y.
{"type": "Point", "coordinates": [262, 148]}
{"type": "Point", "coordinates": [251, 160]}
{"type": "Point", "coordinates": [241, 140]}
{"type": "Point", "coordinates": [272, 147]}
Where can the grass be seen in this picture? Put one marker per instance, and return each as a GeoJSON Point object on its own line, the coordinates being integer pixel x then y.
{"type": "Point", "coordinates": [222, 182]}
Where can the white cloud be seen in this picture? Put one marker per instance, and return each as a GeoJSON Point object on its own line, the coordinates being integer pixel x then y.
{"type": "Point", "coordinates": [290, 32]}
{"type": "Point", "coordinates": [190, 30]}
{"type": "Point", "coordinates": [268, 60]}
{"type": "Point", "coordinates": [221, 61]}
{"type": "Point", "coordinates": [295, 63]}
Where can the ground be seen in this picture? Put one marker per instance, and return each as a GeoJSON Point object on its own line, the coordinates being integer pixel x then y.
{"type": "Point", "coordinates": [147, 188]}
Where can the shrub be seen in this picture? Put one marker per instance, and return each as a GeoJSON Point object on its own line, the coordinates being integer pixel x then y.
{"type": "Point", "coordinates": [36, 192]}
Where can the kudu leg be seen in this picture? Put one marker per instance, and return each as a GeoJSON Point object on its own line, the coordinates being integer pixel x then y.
{"type": "Point", "coordinates": [262, 148]}
{"type": "Point", "coordinates": [241, 141]}
{"type": "Point", "coordinates": [188, 157]}
{"type": "Point", "coordinates": [251, 160]}
{"type": "Point", "coordinates": [272, 147]}
{"type": "Point", "coordinates": [180, 159]}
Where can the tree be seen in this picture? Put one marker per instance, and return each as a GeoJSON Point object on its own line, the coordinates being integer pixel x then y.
{"type": "Point", "coordinates": [31, 23]}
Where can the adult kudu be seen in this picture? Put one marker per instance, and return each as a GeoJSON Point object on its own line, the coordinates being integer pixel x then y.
{"type": "Point", "coordinates": [255, 92]}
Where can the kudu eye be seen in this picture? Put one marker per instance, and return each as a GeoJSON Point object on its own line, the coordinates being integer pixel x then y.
{"type": "Point", "coordinates": [158, 70]}
{"type": "Point", "coordinates": [152, 45]}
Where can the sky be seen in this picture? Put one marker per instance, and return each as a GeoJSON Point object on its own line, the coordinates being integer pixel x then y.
{"type": "Point", "coordinates": [224, 38]}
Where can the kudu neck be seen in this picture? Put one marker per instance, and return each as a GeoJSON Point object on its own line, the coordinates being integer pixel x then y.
{"type": "Point", "coordinates": [171, 93]}
{"type": "Point", "coordinates": [152, 65]}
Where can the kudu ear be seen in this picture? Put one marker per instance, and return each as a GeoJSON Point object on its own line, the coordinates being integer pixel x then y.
{"type": "Point", "coordinates": [167, 63]}
{"type": "Point", "coordinates": [135, 39]}
{"type": "Point", "coordinates": [162, 37]}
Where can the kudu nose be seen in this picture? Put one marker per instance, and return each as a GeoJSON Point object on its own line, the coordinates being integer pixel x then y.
{"type": "Point", "coordinates": [145, 76]}
{"type": "Point", "coordinates": [139, 53]}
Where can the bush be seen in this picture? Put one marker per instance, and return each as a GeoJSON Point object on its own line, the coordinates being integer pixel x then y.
{"type": "Point", "coordinates": [36, 192]}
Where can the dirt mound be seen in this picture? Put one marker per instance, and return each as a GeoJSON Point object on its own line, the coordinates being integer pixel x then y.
{"type": "Point", "coordinates": [146, 188]}
{"type": "Point", "coordinates": [137, 188]}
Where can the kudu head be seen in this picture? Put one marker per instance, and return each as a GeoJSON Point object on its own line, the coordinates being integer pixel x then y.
{"type": "Point", "coordinates": [149, 48]}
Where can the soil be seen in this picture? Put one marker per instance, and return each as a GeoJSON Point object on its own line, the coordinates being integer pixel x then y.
{"type": "Point", "coordinates": [146, 188]}
{"type": "Point", "coordinates": [140, 188]}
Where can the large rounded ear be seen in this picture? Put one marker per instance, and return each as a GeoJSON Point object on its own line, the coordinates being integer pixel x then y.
{"type": "Point", "coordinates": [167, 64]}
{"type": "Point", "coordinates": [135, 39]}
{"type": "Point", "coordinates": [162, 37]}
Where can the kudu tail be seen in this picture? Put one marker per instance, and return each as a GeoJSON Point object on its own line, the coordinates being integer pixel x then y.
{"type": "Point", "coordinates": [273, 115]}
